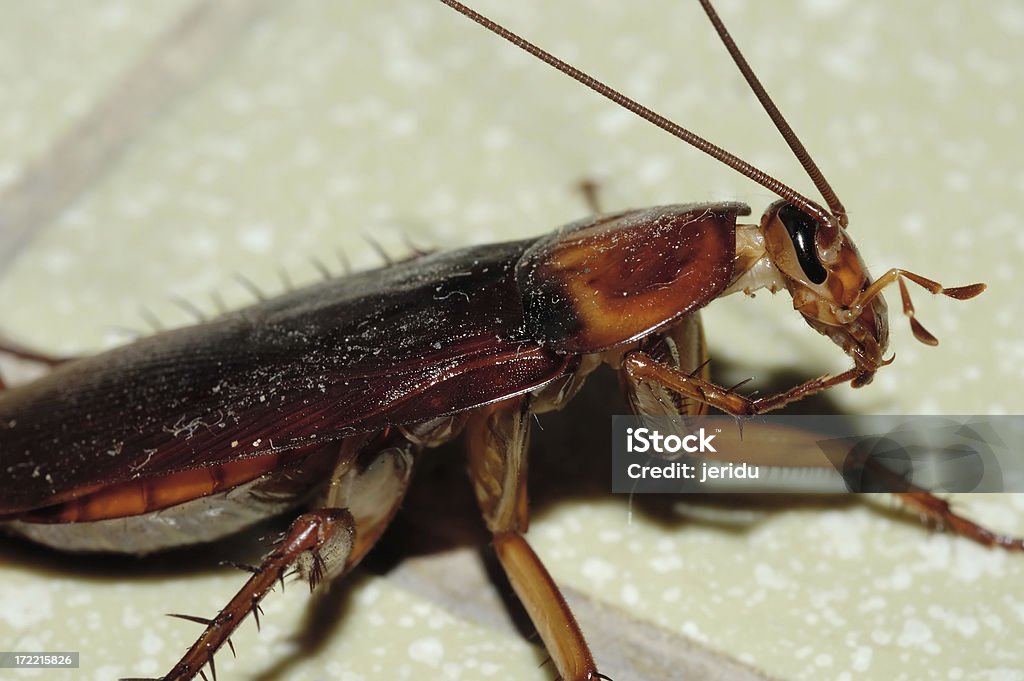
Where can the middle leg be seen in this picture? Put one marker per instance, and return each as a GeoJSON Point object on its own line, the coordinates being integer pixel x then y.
{"type": "Point", "coordinates": [497, 438]}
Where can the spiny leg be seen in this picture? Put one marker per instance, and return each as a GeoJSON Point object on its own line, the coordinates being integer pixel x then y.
{"type": "Point", "coordinates": [683, 348]}
{"type": "Point", "coordinates": [899, 275]}
{"type": "Point", "coordinates": [640, 368]}
{"type": "Point", "coordinates": [940, 514]}
{"type": "Point", "coordinates": [308, 536]}
{"type": "Point", "coordinates": [933, 510]}
{"type": "Point", "coordinates": [365, 489]}
{"type": "Point", "coordinates": [9, 347]}
{"type": "Point", "coordinates": [371, 480]}
{"type": "Point", "coordinates": [497, 438]}
{"type": "Point", "coordinates": [590, 189]}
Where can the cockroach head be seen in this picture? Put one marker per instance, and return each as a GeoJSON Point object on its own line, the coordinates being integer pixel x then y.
{"type": "Point", "coordinates": [826, 277]}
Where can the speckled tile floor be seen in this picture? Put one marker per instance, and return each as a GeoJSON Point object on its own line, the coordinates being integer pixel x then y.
{"type": "Point", "coordinates": [289, 131]}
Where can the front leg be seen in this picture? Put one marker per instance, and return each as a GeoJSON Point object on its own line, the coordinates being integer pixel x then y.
{"type": "Point", "coordinates": [497, 438]}
{"type": "Point", "coordinates": [939, 513]}
{"type": "Point", "coordinates": [641, 368]}
{"type": "Point", "coordinates": [645, 374]}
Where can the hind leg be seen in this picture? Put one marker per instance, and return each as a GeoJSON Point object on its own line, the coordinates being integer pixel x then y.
{"type": "Point", "coordinates": [365, 490]}
{"type": "Point", "coordinates": [20, 352]}
{"type": "Point", "coordinates": [663, 386]}
{"type": "Point", "coordinates": [9, 347]}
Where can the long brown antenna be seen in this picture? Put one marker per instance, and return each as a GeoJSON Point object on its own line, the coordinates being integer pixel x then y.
{"type": "Point", "coordinates": [820, 215]}
{"type": "Point", "coordinates": [827, 193]}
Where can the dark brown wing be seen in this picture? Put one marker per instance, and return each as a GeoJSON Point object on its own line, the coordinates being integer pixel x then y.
{"type": "Point", "coordinates": [403, 344]}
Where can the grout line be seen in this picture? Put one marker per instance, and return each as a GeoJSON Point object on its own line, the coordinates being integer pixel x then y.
{"type": "Point", "coordinates": [625, 647]}
{"type": "Point", "coordinates": [186, 54]}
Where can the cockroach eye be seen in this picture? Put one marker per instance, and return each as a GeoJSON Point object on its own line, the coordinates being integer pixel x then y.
{"type": "Point", "coordinates": [801, 228]}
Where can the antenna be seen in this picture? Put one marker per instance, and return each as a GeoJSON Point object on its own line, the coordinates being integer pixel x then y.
{"type": "Point", "coordinates": [825, 219]}
{"type": "Point", "coordinates": [801, 153]}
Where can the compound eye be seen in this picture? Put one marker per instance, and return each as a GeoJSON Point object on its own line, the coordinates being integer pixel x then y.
{"type": "Point", "coordinates": [802, 228]}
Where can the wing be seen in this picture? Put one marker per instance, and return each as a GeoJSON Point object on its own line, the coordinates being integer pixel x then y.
{"type": "Point", "coordinates": [402, 344]}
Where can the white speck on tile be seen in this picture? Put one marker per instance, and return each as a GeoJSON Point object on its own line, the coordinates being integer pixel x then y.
{"type": "Point", "coordinates": [860, 661]}
{"type": "Point", "coordinates": [899, 580]}
{"type": "Point", "coordinates": [598, 571]}
{"type": "Point", "coordinates": [655, 169]}
{"type": "Point", "coordinates": [9, 173]}
{"type": "Point", "coordinates": [666, 563]}
{"type": "Point", "coordinates": [1010, 16]}
{"type": "Point", "coordinates": [25, 607]}
{"type": "Point", "coordinates": [404, 125]}
{"type": "Point", "coordinates": [691, 630]}
{"type": "Point", "coordinates": [112, 17]}
{"type": "Point", "coordinates": [612, 122]}
{"type": "Point", "coordinates": [151, 643]}
{"type": "Point", "coordinates": [307, 152]}
{"type": "Point", "coordinates": [630, 594]}
{"type": "Point", "coordinates": [203, 244]}
{"type": "Point", "coordinates": [993, 622]}
{"type": "Point", "coordinates": [915, 634]}
{"type": "Point", "coordinates": [874, 603]}
{"type": "Point", "coordinates": [427, 650]}
{"type": "Point", "coordinates": [497, 138]}
{"type": "Point", "coordinates": [881, 637]}
{"type": "Point", "coordinates": [78, 599]}
{"type": "Point", "coordinates": [957, 181]}
{"type": "Point", "coordinates": [257, 238]}
{"type": "Point", "coordinates": [973, 561]}
{"type": "Point", "coordinates": [913, 224]}
{"type": "Point", "coordinates": [843, 64]}
{"type": "Point", "coordinates": [237, 101]}
{"type": "Point", "coordinates": [766, 576]}
{"type": "Point", "coordinates": [107, 672]}
{"type": "Point", "coordinates": [824, 7]}
{"type": "Point", "coordinates": [58, 262]}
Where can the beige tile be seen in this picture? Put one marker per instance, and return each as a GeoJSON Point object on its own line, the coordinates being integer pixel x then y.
{"type": "Point", "coordinates": [334, 120]}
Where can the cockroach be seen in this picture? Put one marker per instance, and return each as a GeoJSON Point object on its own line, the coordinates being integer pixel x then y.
{"type": "Point", "coordinates": [324, 398]}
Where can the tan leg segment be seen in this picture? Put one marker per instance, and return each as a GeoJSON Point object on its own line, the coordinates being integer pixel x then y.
{"type": "Point", "coordinates": [309, 536]}
{"type": "Point", "coordinates": [13, 349]}
{"type": "Point", "coordinates": [370, 482]}
{"type": "Point", "coordinates": [497, 441]}
{"type": "Point", "coordinates": [650, 377]}
{"type": "Point", "coordinates": [366, 488]}
{"type": "Point", "coordinates": [939, 513]}
{"type": "Point", "coordinates": [641, 367]}
{"type": "Point", "coordinates": [9, 347]}
{"type": "Point", "coordinates": [683, 349]}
